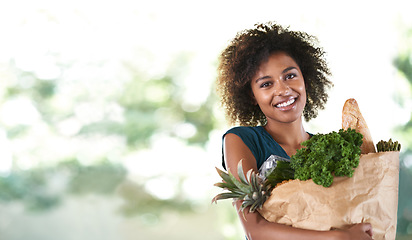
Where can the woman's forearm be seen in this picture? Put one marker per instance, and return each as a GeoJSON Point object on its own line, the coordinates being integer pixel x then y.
{"type": "Point", "coordinates": [257, 228]}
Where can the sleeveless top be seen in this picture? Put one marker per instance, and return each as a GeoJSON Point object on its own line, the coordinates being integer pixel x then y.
{"type": "Point", "coordinates": [260, 143]}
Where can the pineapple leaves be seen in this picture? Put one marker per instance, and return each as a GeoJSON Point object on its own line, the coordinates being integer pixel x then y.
{"type": "Point", "coordinates": [249, 189]}
{"type": "Point", "coordinates": [240, 173]}
{"type": "Point", "coordinates": [224, 176]}
{"type": "Point", "coordinates": [243, 184]}
{"type": "Point", "coordinates": [254, 180]}
{"type": "Point", "coordinates": [225, 195]}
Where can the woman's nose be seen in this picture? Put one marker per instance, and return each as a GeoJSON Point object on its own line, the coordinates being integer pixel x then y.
{"type": "Point", "coordinates": [282, 89]}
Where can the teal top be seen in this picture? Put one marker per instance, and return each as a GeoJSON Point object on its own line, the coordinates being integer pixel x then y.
{"type": "Point", "coordinates": [260, 143]}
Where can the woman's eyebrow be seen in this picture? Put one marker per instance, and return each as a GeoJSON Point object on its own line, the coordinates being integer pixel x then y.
{"type": "Point", "coordinates": [288, 69]}
{"type": "Point", "coordinates": [262, 78]}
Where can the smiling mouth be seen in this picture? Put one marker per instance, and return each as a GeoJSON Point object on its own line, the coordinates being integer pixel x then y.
{"type": "Point", "coordinates": [285, 104]}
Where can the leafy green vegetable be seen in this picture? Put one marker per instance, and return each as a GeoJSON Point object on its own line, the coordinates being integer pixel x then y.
{"type": "Point", "coordinates": [387, 146]}
{"type": "Point", "coordinates": [280, 173]}
{"type": "Point", "coordinates": [327, 154]}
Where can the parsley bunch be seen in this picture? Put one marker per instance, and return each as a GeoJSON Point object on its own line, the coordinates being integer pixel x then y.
{"type": "Point", "coordinates": [327, 154]}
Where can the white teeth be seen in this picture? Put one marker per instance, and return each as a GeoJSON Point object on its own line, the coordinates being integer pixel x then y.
{"type": "Point", "coordinates": [287, 103]}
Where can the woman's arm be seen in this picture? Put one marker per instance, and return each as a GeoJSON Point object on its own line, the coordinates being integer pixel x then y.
{"type": "Point", "coordinates": [257, 227]}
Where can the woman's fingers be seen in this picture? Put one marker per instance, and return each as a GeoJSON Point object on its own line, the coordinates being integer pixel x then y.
{"type": "Point", "coordinates": [367, 228]}
{"type": "Point", "coordinates": [359, 231]}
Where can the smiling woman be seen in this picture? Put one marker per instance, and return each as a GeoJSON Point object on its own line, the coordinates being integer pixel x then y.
{"type": "Point", "coordinates": [273, 77]}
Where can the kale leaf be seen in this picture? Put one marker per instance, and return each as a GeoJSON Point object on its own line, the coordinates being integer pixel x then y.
{"type": "Point", "coordinates": [326, 155]}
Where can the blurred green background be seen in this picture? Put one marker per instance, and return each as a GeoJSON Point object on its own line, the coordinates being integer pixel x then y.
{"type": "Point", "coordinates": [110, 127]}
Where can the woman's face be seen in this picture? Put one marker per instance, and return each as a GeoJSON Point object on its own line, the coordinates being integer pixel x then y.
{"type": "Point", "coordinates": [279, 88]}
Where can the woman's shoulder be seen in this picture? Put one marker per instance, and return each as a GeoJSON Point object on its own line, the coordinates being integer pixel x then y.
{"type": "Point", "coordinates": [250, 135]}
{"type": "Point", "coordinates": [244, 130]}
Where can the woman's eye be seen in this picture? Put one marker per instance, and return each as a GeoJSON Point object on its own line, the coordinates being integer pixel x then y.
{"type": "Point", "coordinates": [290, 76]}
{"type": "Point", "coordinates": [266, 84]}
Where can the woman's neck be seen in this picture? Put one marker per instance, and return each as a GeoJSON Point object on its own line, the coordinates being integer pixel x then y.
{"type": "Point", "coordinates": [288, 135]}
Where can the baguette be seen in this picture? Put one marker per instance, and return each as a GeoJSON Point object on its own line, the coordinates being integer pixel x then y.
{"type": "Point", "coordinates": [352, 118]}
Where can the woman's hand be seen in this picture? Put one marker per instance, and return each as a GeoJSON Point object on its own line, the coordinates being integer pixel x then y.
{"type": "Point", "coordinates": [360, 231]}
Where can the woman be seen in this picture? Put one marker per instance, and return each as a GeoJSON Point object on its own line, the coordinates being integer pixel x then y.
{"type": "Point", "coordinates": [269, 79]}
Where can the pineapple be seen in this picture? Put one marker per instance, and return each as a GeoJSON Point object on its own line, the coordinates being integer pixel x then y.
{"type": "Point", "coordinates": [251, 190]}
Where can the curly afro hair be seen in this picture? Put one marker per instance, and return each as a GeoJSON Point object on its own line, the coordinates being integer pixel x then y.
{"type": "Point", "coordinates": [240, 61]}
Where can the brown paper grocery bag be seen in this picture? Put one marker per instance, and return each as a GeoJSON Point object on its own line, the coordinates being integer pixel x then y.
{"type": "Point", "coordinates": [371, 195]}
